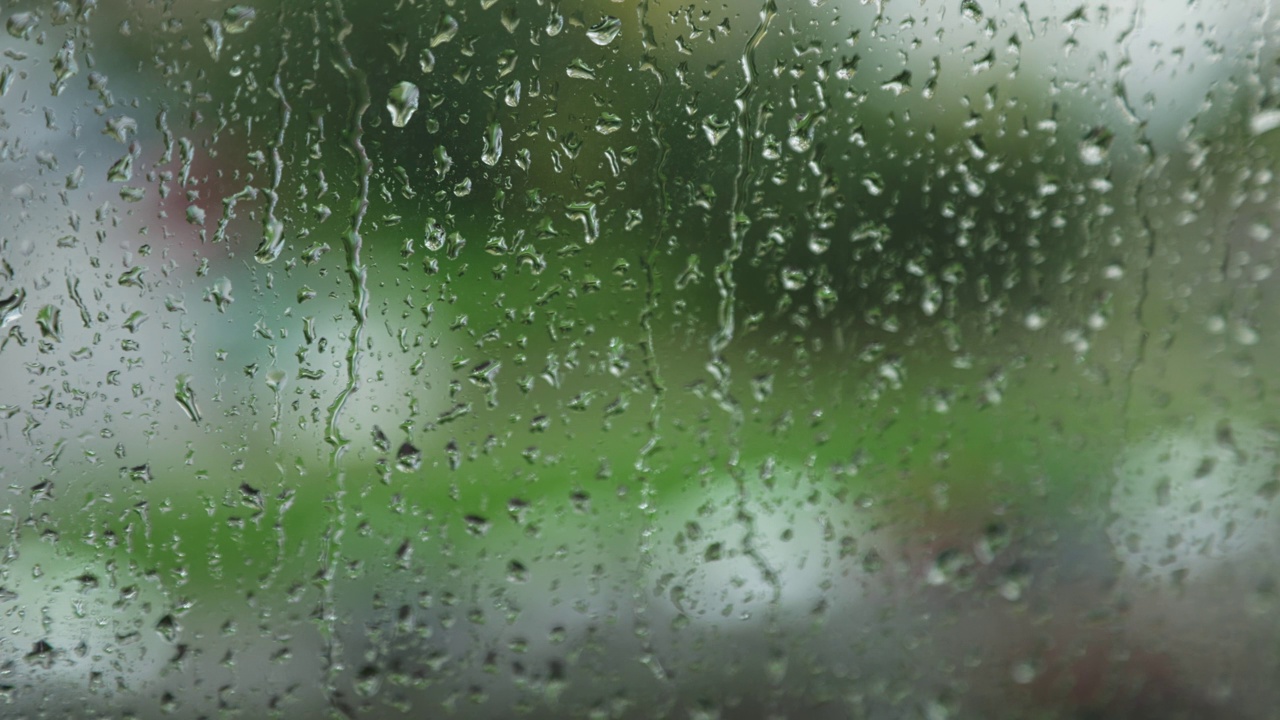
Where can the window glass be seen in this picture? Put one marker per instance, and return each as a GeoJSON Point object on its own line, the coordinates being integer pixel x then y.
{"type": "Point", "coordinates": [572, 358]}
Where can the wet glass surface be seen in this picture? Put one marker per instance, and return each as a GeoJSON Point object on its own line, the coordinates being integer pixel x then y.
{"type": "Point", "coordinates": [534, 358]}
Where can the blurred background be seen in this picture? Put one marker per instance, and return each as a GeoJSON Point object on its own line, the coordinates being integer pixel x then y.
{"type": "Point", "coordinates": [627, 360]}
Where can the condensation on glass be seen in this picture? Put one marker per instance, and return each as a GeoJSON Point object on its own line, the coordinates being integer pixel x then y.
{"type": "Point", "coordinates": [546, 358]}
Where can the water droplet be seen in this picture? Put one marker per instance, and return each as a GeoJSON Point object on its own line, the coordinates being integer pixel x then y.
{"type": "Point", "coordinates": [238, 18]}
{"type": "Point", "coordinates": [603, 32]}
{"type": "Point", "coordinates": [121, 170]}
{"type": "Point", "coordinates": [186, 397]}
{"type": "Point", "coordinates": [1095, 145]}
{"type": "Point", "coordinates": [49, 320]}
{"type": "Point", "coordinates": [408, 458]}
{"type": "Point", "coordinates": [445, 30]}
{"type": "Point", "coordinates": [21, 24]}
{"type": "Point", "coordinates": [492, 145]}
{"type": "Point", "coordinates": [134, 321]}
{"type": "Point", "coordinates": [1264, 122]}
{"type": "Point", "coordinates": [380, 440]}
{"type": "Point", "coordinates": [220, 294]}
{"type": "Point", "coordinates": [477, 524]}
{"type": "Point", "coordinates": [213, 37]}
{"type": "Point", "coordinates": [402, 103]}
{"type": "Point", "coordinates": [608, 123]}
{"type": "Point", "coordinates": [11, 308]}
{"type": "Point", "coordinates": [272, 241]}
{"type": "Point", "coordinates": [793, 279]}
{"type": "Point", "coordinates": [512, 95]}
{"type": "Point", "coordinates": [64, 66]}
{"type": "Point", "coordinates": [579, 70]}
{"type": "Point", "coordinates": [899, 84]}
{"type": "Point", "coordinates": [715, 129]}
{"type": "Point", "coordinates": [276, 379]}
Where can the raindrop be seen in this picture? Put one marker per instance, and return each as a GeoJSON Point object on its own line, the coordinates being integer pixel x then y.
{"type": "Point", "coordinates": [402, 103]}
{"type": "Point", "coordinates": [1264, 122]}
{"type": "Point", "coordinates": [445, 30]}
{"type": "Point", "coordinates": [512, 95]}
{"type": "Point", "coordinates": [715, 129]}
{"type": "Point", "coordinates": [492, 145]}
{"type": "Point", "coordinates": [603, 32]}
{"type": "Point", "coordinates": [272, 241]}
{"type": "Point", "coordinates": [380, 440]}
{"type": "Point", "coordinates": [1095, 145]}
{"type": "Point", "coordinates": [408, 458]}
{"type": "Point", "coordinates": [608, 123]}
{"type": "Point", "coordinates": [186, 397]}
{"type": "Point", "coordinates": [477, 525]}
{"type": "Point", "coordinates": [238, 18]}
{"type": "Point", "coordinates": [121, 170]}
{"type": "Point", "coordinates": [899, 83]}
{"type": "Point", "coordinates": [49, 320]}
{"type": "Point", "coordinates": [213, 37]}
{"type": "Point", "coordinates": [20, 24]}
{"type": "Point", "coordinates": [10, 308]}
{"type": "Point", "coordinates": [219, 293]}
{"type": "Point", "coordinates": [276, 379]}
{"type": "Point", "coordinates": [64, 66]}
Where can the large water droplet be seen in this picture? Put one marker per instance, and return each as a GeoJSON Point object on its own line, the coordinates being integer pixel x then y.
{"type": "Point", "coordinates": [186, 397]}
{"type": "Point", "coordinates": [1264, 122]}
{"type": "Point", "coordinates": [445, 30]}
{"type": "Point", "coordinates": [715, 129]}
{"type": "Point", "coordinates": [11, 308]}
{"type": "Point", "coordinates": [49, 319]}
{"type": "Point", "coordinates": [272, 241]}
{"type": "Point", "coordinates": [1095, 146]}
{"type": "Point", "coordinates": [408, 458]}
{"type": "Point", "coordinates": [402, 103]}
{"type": "Point", "coordinates": [492, 145]}
{"type": "Point", "coordinates": [603, 32]}
{"type": "Point", "coordinates": [21, 24]}
{"type": "Point", "coordinates": [237, 18]}
{"type": "Point", "coordinates": [213, 37]}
